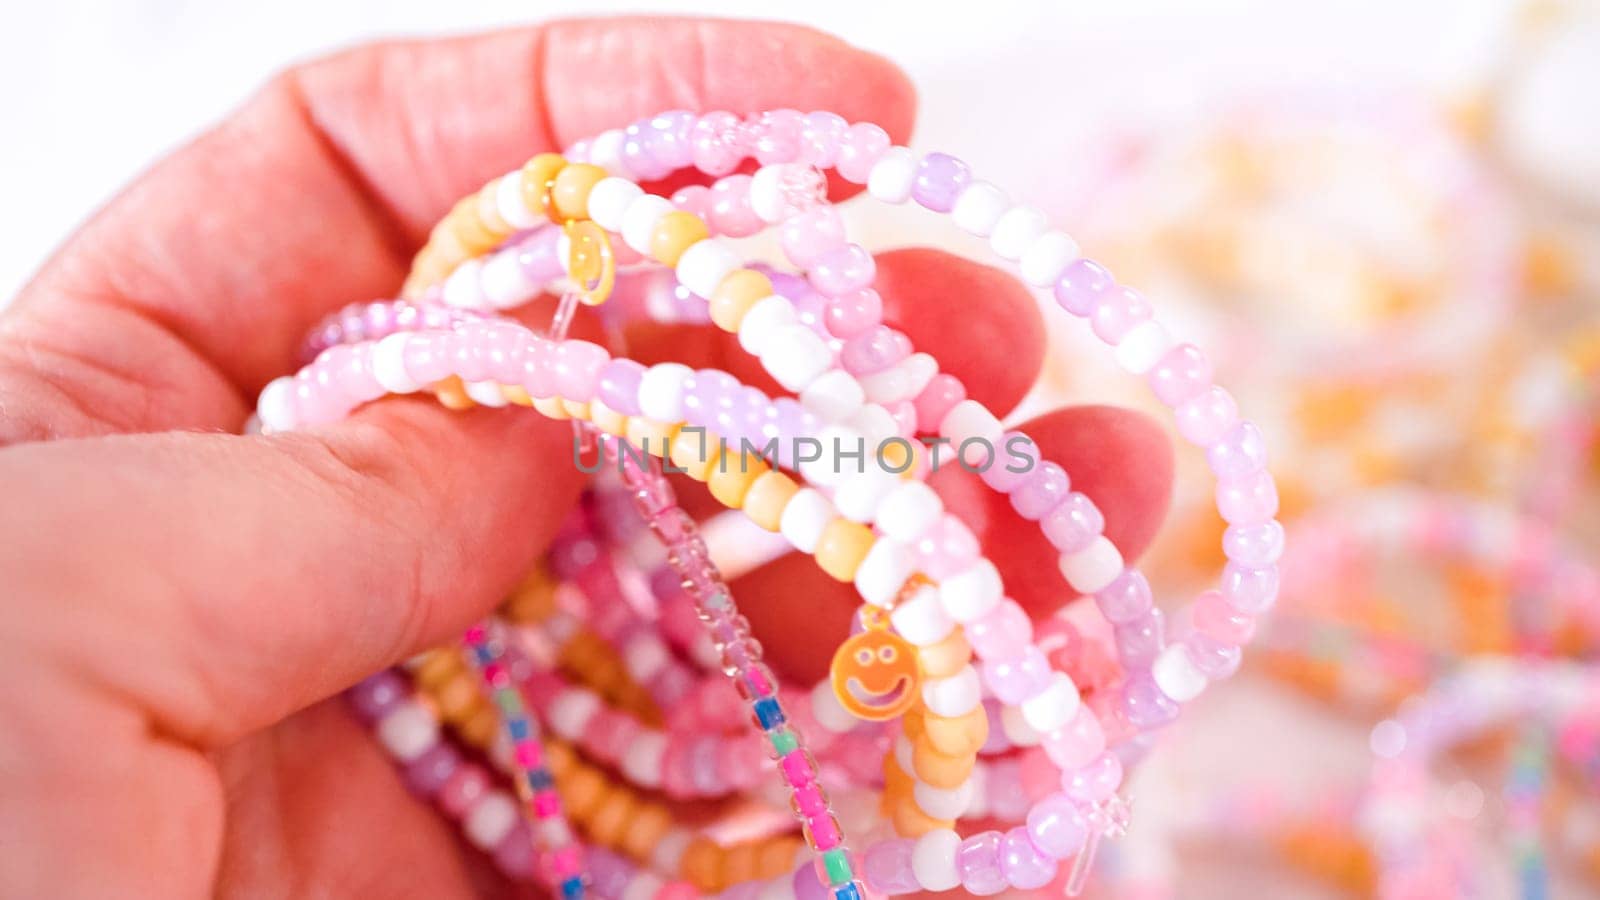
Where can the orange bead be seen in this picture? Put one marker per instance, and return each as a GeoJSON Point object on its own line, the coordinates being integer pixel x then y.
{"type": "Point", "coordinates": [537, 174]}
{"type": "Point", "coordinates": [695, 452]}
{"type": "Point", "coordinates": [735, 295]}
{"type": "Point", "coordinates": [674, 233]}
{"type": "Point", "coordinates": [459, 697]}
{"type": "Point", "coordinates": [437, 667]}
{"type": "Point", "coordinates": [947, 657]}
{"type": "Point", "coordinates": [740, 863]}
{"type": "Point", "coordinates": [488, 204]}
{"type": "Point", "coordinates": [611, 817]}
{"type": "Point", "coordinates": [481, 729]}
{"type": "Point", "coordinates": [645, 830]}
{"type": "Point", "coordinates": [913, 723]}
{"type": "Point", "coordinates": [701, 865]}
{"type": "Point", "coordinates": [842, 547]}
{"type": "Point", "coordinates": [733, 476]}
{"type": "Point", "coordinates": [559, 758]}
{"type": "Point", "coordinates": [777, 856]}
{"type": "Point", "coordinates": [581, 792]}
{"type": "Point", "coordinates": [571, 191]}
{"type": "Point", "coordinates": [937, 769]}
{"type": "Point", "coordinates": [911, 821]}
{"type": "Point", "coordinates": [469, 229]}
{"type": "Point", "coordinates": [962, 735]}
{"type": "Point", "coordinates": [766, 498]}
{"type": "Point", "coordinates": [453, 395]}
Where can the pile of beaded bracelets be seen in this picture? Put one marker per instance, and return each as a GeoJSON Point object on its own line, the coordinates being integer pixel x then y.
{"type": "Point", "coordinates": [1174, 675]}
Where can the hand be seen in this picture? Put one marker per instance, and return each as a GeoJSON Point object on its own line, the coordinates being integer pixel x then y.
{"type": "Point", "coordinates": [181, 601]}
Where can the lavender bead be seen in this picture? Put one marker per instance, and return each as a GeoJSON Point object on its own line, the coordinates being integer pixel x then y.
{"type": "Point", "coordinates": [619, 385]}
{"type": "Point", "coordinates": [1249, 500]}
{"type": "Point", "coordinates": [1240, 452]}
{"type": "Point", "coordinates": [1181, 374]}
{"type": "Point", "coordinates": [1126, 599]}
{"type": "Point", "coordinates": [1096, 782]}
{"type": "Point", "coordinates": [1015, 680]}
{"type": "Point", "coordinates": [1116, 311]}
{"type": "Point", "coordinates": [874, 350]}
{"type": "Point", "coordinates": [978, 861]}
{"type": "Point", "coordinates": [1206, 417]}
{"type": "Point", "coordinates": [609, 873]}
{"type": "Point", "coordinates": [637, 155]}
{"type": "Point", "coordinates": [375, 696]}
{"type": "Point", "coordinates": [1023, 865]}
{"type": "Point", "coordinates": [1083, 281]}
{"type": "Point", "coordinates": [1057, 826]}
{"type": "Point", "coordinates": [887, 868]}
{"type": "Point", "coordinates": [1255, 546]}
{"type": "Point", "coordinates": [1145, 706]}
{"type": "Point", "coordinates": [426, 774]}
{"type": "Point", "coordinates": [1139, 641]}
{"type": "Point", "coordinates": [1250, 591]}
{"type": "Point", "coordinates": [808, 884]}
{"type": "Point", "coordinates": [1215, 659]}
{"type": "Point", "coordinates": [1040, 492]}
{"type": "Point", "coordinates": [514, 855]}
{"type": "Point", "coordinates": [939, 181]}
{"type": "Point", "coordinates": [842, 270]}
{"type": "Point", "coordinates": [1073, 524]}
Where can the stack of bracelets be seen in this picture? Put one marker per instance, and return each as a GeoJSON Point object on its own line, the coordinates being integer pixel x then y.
{"type": "Point", "coordinates": [974, 712]}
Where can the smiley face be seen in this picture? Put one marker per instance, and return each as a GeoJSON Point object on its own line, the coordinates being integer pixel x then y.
{"type": "Point", "coordinates": [874, 674]}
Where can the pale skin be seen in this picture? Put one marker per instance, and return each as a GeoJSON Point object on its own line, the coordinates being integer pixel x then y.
{"type": "Point", "coordinates": [182, 605]}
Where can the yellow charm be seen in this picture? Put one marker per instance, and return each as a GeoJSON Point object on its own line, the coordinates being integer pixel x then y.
{"type": "Point", "coordinates": [874, 674]}
{"type": "Point", "coordinates": [590, 262]}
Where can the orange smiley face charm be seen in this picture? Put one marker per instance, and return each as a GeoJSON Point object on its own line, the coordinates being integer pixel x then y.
{"type": "Point", "coordinates": [874, 674]}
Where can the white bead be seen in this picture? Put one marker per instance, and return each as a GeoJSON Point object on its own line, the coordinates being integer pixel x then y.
{"type": "Point", "coordinates": [643, 885]}
{"type": "Point", "coordinates": [702, 267]}
{"type": "Point", "coordinates": [892, 175]}
{"type": "Point", "coordinates": [807, 513]}
{"type": "Point", "coordinates": [504, 283]}
{"type": "Point", "coordinates": [490, 820]}
{"type": "Point", "coordinates": [764, 318]}
{"type": "Point", "coordinates": [859, 493]}
{"type": "Point", "coordinates": [641, 762]}
{"type": "Point", "coordinates": [669, 849]}
{"type": "Point", "coordinates": [796, 356]}
{"type": "Point", "coordinates": [844, 450]}
{"type": "Point", "coordinates": [766, 193]}
{"type": "Point", "coordinates": [920, 369]}
{"type": "Point", "coordinates": [609, 202]}
{"type": "Point", "coordinates": [1047, 257]}
{"type": "Point", "coordinates": [1093, 567]}
{"type": "Point", "coordinates": [1142, 347]}
{"type": "Point", "coordinates": [276, 404]}
{"type": "Point", "coordinates": [408, 731]}
{"type": "Point", "coordinates": [639, 220]}
{"type": "Point", "coordinates": [933, 860]}
{"type": "Point", "coordinates": [605, 151]}
{"type": "Point", "coordinates": [485, 393]}
{"type": "Point", "coordinates": [940, 803]}
{"type": "Point", "coordinates": [645, 656]}
{"type": "Point", "coordinates": [969, 420]}
{"type": "Point", "coordinates": [571, 711]}
{"type": "Point", "coordinates": [922, 619]}
{"type": "Point", "coordinates": [875, 424]}
{"type": "Point", "coordinates": [970, 594]}
{"type": "Point", "coordinates": [833, 395]}
{"type": "Point", "coordinates": [1176, 674]}
{"type": "Point", "coordinates": [828, 711]}
{"type": "Point", "coordinates": [909, 510]}
{"type": "Point", "coordinates": [979, 207]}
{"type": "Point", "coordinates": [882, 571]}
{"type": "Point", "coordinates": [904, 756]}
{"type": "Point", "coordinates": [508, 203]}
{"type": "Point", "coordinates": [888, 386]}
{"type": "Point", "coordinates": [1016, 728]}
{"type": "Point", "coordinates": [953, 696]}
{"type": "Point", "coordinates": [1017, 228]}
{"type": "Point", "coordinates": [461, 289]}
{"type": "Point", "coordinates": [1052, 707]}
{"type": "Point", "coordinates": [661, 391]}
{"type": "Point", "coordinates": [489, 200]}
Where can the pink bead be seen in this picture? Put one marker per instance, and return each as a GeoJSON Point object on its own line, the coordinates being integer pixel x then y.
{"type": "Point", "coordinates": [577, 369]}
{"type": "Point", "coordinates": [824, 832]}
{"type": "Point", "coordinates": [844, 269]}
{"type": "Point", "coordinates": [1116, 311]}
{"type": "Point", "coordinates": [504, 345]}
{"type": "Point", "coordinates": [425, 359]}
{"type": "Point", "coordinates": [566, 861]}
{"type": "Point", "coordinates": [1238, 453]}
{"type": "Point", "coordinates": [1057, 826]}
{"type": "Point", "coordinates": [463, 791]}
{"type": "Point", "coordinates": [1003, 633]}
{"type": "Point", "coordinates": [694, 198]}
{"type": "Point", "coordinates": [805, 238]}
{"type": "Point", "coordinates": [945, 548]}
{"type": "Point", "coordinates": [1250, 591]}
{"type": "Point", "coordinates": [809, 800]}
{"type": "Point", "coordinates": [853, 312]}
{"type": "Point", "coordinates": [1041, 491]}
{"type": "Point", "coordinates": [978, 862]}
{"type": "Point", "coordinates": [1073, 524]}
{"type": "Point", "coordinates": [1181, 374]}
{"type": "Point", "coordinates": [529, 755]}
{"type": "Point", "coordinates": [904, 413]}
{"type": "Point", "coordinates": [860, 149]}
{"type": "Point", "coordinates": [1015, 679]}
{"type": "Point", "coordinates": [1024, 865]}
{"type": "Point", "coordinates": [1077, 743]}
{"type": "Point", "coordinates": [729, 211]}
{"type": "Point", "coordinates": [820, 138]}
{"type": "Point", "coordinates": [874, 350]}
{"type": "Point", "coordinates": [1214, 616]}
{"type": "Point", "coordinates": [886, 869]}
{"type": "Point", "coordinates": [716, 143]}
{"type": "Point", "coordinates": [796, 767]}
{"type": "Point", "coordinates": [1206, 417]}
{"type": "Point", "coordinates": [1095, 782]}
{"type": "Point", "coordinates": [942, 392]}
{"type": "Point", "coordinates": [677, 890]}
{"type": "Point", "coordinates": [1255, 546]}
{"type": "Point", "coordinates": [778, 136]}
{"type": "Point", "coordinates": [1249, 500]}
{"type": "Point", "coordinates": [546, 804]}
{"type": "Point", "coordinates": [538, 369]}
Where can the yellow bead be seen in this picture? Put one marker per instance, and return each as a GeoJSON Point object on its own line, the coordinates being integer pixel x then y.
{"type": "Point", "coordinates": [607, 419]}
{"type": "Point", "coordinates": [767, 497]}
{"type": "Point", "coordinates": [480, 730]}
{"type": "Point", "coordinates": [451, 393]}
{"type": "Point", "coordinates": [701, 865]}
{"type": "Point", "coordinates": [536, 175]}
{"type": "Point", "coordinates": [650, 436]}
{"type": "Point", "coordinates": [488, 202]}
{"type": "Point", "coordinates": [517, 395]}
{"type": "Point", "coordinates": [575, 410]}
{"type": "Point", "coordinates": [436, 668]}
{"type": "Point", "coordinates": [551, 407]}
{"type": "Point", "coordinates": [945, 658]}
{"type": "Point", "coordinates": [695, 452]}
{"type": "Point", "coordinates": [674, 233]}
{"type": "Point", "coordinates": [735, 295]}
{"type": "Point", "coordinates": [842, 547]}
{"type": "Point", "coordinates": [732, 477]}
{"type": "Point", "coordinates": [469, 228]}
{"type": "Point", "coordinates": [571, 192]}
